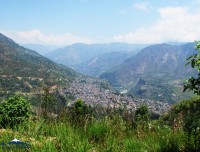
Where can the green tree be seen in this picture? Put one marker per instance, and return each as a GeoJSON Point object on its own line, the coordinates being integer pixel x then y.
{"type": "Point", "coordinates": [14, 111]}
{"type": "Point", "coordinates": [142, 113]}
{"type": "Point", "coordinates": [192, 117]}
{"type": "Point", "coordinates": [48, 104]}
{"type": "Point", "coordinates": [81, 112]}
{"type": "Point", "coordinates": [193, 84]}
{"type": "Point", "coordinates": [142, 116]}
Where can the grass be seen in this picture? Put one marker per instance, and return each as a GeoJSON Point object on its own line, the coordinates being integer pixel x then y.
{"type": "Point", "coordinates": [106, 135]}
{"type": "Point", "coordinates": [109, 133]}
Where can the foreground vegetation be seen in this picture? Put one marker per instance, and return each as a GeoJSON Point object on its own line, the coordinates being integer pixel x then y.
{"type": "Point", "coordinates": [80, 129]}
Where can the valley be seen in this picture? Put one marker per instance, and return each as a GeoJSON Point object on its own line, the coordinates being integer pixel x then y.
{"type": "Point", "coordinates": [99, 76]}
{"type": "Point", "coordinates": [161, 66]}
{"type": "Point", "coordinates": [92, 59]}
{"type": "Point", "coordinates": [25, 72]}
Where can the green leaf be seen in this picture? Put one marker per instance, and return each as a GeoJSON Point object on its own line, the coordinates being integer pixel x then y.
{"type": "Point", "coordinates": [193, 63]}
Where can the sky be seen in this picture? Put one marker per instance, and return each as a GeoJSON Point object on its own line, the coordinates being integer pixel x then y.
{"type": "Point", "coordinates": [64, 22]}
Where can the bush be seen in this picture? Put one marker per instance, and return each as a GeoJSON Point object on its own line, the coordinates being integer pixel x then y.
{"type": "Point", "coordinates": [80, 113]}
{"type": "Point", "coordinates": [97, 131]}
{"type": "Point", "coordinates": [186, 116]}
{"type": "Point", "coordinates": [142, 117]}
{"type": "Point", "coordinates": [14, 111]}
{"type": "Point", "coordinates": [48, 104]}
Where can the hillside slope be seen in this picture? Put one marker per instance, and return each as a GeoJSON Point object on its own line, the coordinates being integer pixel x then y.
{"type": "Point", "coordinates": [161, 67]}
{"type": "Point", "coordinates": [24, 70]}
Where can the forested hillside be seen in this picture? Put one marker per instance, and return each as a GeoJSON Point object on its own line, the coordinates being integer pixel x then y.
{"type": "Point", "coordinates": [23, 70]}
{"type": "Point", "coordinates": [162, 69]}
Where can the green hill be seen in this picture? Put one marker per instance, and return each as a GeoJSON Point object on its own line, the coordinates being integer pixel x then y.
{"type": "Point", "coordinates": [161, 66]}
{"type": "Point", "coordinates": [24, 70]}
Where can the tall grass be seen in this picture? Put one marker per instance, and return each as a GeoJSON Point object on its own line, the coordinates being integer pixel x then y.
{"type": "Point", "coordinates": [108, 134]}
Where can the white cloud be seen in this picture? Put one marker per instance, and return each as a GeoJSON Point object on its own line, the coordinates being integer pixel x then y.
{"type": "Point", "coordinates": [174, 24]}
{"type": "Point", "coordinates": [37, 37]}
{"type": "Point", "coordinates": [142, 6]}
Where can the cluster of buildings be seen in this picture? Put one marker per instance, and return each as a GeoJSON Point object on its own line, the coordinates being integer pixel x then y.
{"type": "Point", "coordinates": [94, 91]}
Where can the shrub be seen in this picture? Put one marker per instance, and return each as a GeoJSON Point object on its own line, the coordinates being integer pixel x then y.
{"type": "Point", "coordinates": [186, 116]}
{"type": "Point", "coordinates": [48, 104]}
{"type": "Point", "coordinates": [14, 111]}
{"type": "Point", "coordinates": [80, 113]}
{"type": "Point", "coordinates": [142, 115]}
{"type": "Point", "coordinates": [97, 131]}
{"type": "Point", "coordinates": [172, 142]}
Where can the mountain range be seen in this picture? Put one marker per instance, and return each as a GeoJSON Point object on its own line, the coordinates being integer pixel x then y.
{"type": "Point", "coordinates": [26, 72]}
{"type": "Point", "coordinates": [102, 63]}
{"type": "Point", "coordinates": [160, 66]}
{"type": "Point", "coordinates": [79, 54]}
{"type": "Point", "coordinates": [156, 72]}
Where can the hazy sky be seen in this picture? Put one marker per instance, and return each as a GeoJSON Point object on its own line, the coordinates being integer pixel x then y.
{"type": "Point", "coordinates": [63, 22]}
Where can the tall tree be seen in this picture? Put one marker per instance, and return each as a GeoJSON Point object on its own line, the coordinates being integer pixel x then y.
{"type": "Point", "coordinates": [48, 103]}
